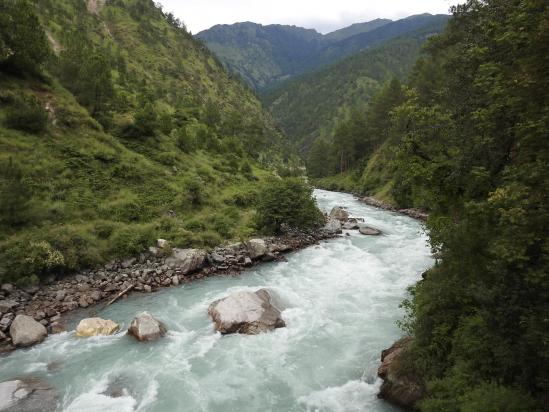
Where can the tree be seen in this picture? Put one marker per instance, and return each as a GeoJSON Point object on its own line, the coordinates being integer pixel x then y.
{"type": "Point", "coordinates": [319, 161]}
{"type": "Point", "coordinates": [287, 203]}
{"type": "Point", "coordinates": [23, 43]}
{"type": "Point", "coordinates": [145, 120]}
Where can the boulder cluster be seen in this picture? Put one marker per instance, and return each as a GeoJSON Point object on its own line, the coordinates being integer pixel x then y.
{"type": "Point", "coordinates": [339, 219]}
{"type": "Point", "coordinates": [40, 310]}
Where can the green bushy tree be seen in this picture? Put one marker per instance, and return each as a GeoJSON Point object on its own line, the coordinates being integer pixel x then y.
{"type": "Point", "coordinates": [287, 202]}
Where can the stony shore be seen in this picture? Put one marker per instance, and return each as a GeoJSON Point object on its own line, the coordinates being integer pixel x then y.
{"type": "Point", "coordinates": [413, 213]}
{"type": "Point", "coordinates": [160, 267]}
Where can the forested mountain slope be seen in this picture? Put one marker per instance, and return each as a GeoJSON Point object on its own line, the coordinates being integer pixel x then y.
{"type": "Point", "coordinates": [466, 138]}
{"type": "Point", "coordinates": [117, 127]}
{"type": "Point", "coordinates": [265, 56]}
{"type": "Point", "coordinates": [305, 106]}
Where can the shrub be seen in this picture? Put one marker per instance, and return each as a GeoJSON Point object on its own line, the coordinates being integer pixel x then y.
{"type": "Point", "coordinates": [15, 195]}
{"type": "Point", "coordinates": [131, 240]}
{"type": "Point", "coordinates": [287, 202]}
{"type": "Point", "coordinates": [27, 114]}
{"type": "Point", "coordinates": [194, 188]}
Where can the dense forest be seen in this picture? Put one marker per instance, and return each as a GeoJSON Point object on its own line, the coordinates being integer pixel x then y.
{"type": "Point", "coordinates": [118, 127]}
{"type": "Point", "coordinates": [466, 139]}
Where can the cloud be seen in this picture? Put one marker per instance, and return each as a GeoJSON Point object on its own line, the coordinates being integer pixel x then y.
{"type": "Point", "coordinates": [323, 15]}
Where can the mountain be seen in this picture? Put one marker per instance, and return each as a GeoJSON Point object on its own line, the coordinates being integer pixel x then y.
{"type": "Point", "coordinates": [357, 28]}
{"type": "Point", "coordinates": [117, 128]}
{"type": "Point", "coordinates": [305, 106]}
{"type": "Point", "coordinates": [265, 56]}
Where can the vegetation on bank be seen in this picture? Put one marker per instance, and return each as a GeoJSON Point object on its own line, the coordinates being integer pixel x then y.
{"type": "Point", "coordinates": [119, 131]}
{"type": "Point", "coordinates": [467, 139]}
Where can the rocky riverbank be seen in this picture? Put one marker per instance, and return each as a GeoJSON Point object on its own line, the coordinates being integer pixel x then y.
{"type": "Point", "coordinates": [160, 267]}
{"type": "Point", "coordinates": [413, 213]}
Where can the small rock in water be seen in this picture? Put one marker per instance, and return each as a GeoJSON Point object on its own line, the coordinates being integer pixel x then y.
{"type": "Point", "coordinates": [95, 327]}
{"type": "Point", "coordinates": [246, 312]}
{"type": "Point", "coordinates": [370, 231]}
{"type": "Point", "coordinates": [29, 395]}
{"type": "Point", "coordinates": [145, 328]}
{"type": "Point", "coordinates": [333, 227]}
{"type": "Point", "coordinates": [256, 248]}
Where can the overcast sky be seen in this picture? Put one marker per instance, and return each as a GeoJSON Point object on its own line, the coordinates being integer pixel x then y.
{"type": "Point", "coordinates": [323, 15]}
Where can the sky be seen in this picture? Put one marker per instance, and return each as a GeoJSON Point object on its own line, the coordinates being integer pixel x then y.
{"type": "Point", "coordinates": [323, 15]}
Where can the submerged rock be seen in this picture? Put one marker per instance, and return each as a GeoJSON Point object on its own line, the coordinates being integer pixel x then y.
{"type": "Point", "coordinates": [145, 328]}
{"type": "Point", "coordinates": [333, 227]}
{"type": "Point", "coordinates": [27, 396]}
{"type": "Point", "coordinates": [370, 231]}
{"type": "Point", "coordinates": [400, 386]}
{"type": "Point", "coordinates": [187, 260]}
{"type": "Point", "coordinates": [246, 312]}
{"type": "Point", "coordinates": [339, 213]}
{"type": "Point", "coordinates": [25, 331]}
{"type": "Point", "coordinates": [96, 327]}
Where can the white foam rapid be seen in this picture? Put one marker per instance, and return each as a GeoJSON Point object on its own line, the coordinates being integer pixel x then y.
{"type": "Point", "coordinates": [342, 300]}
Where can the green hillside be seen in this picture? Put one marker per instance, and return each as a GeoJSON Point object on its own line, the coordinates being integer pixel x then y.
{"type": "Point", "coordinates": [307, 106]}
{"type": "Point", "coordinates": [116, 128]}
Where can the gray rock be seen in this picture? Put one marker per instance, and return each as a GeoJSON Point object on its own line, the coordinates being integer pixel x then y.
{"type": "Point", "coordinates": [145, 328]}
{"type": "Point", "coordinates": [27, 396]}
{"type": "Point", "coordinates": [339, 213]}
{"type": "Point", "coordinates": [217, 258]}
{"type": "Point", "coordinates": [399, 386]}
{"type": "Point", "coordinates": [6, 320]}
{"type": "Point", "coordinates": [61, 295]}
{"type": "Point", "coordinates": [8, 287]}
{"type": "Point", "coordinates": [147, 288]}
{"type": "Point", "coordinates": [246, 312]}
{"type": "Point", "coordinates": [162, 243]}
{"type": "Point", "coordinates": [128, 262]}
{"type": "Point", "coordinates": [175, 280]}
{"type": "Point", "coordinates": [350, 226]}
{"type": "Point", "coordinates": [187, 260]}
{"type": "Point", "coordinates": [247, 261]}
{"type": "Point", "coordinates": [333, 227]}
{"type": "Point", "coordinates": [7, 306]}
{"type": "Point", "coordinates": [256, 248]}
{"type": "Point", "coordinates": [370, 231]}
{"type": "Point", "coordinates": [25, 331]}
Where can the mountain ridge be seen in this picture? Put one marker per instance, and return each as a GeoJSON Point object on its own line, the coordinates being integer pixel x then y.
{"type": "Point", "coordinates": [267, 55]}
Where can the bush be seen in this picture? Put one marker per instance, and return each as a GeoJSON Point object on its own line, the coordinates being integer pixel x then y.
{"type": "Point", "coordinates": [287, 202]}
{"type": "Point", "coordinates": [15, 195]}
{"type": "Point", "coordinates": [27, 114]}
{"type": "Point", "coordinates": [131, 240]}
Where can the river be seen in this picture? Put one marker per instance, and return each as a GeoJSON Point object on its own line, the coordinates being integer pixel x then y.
{"type": "Point", "coordinates": [342, 301]}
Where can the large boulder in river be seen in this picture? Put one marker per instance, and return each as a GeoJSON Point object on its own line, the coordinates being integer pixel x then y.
{"type": "Point", "coordinates": [145, 328]}
{"type": "Point", "coordinates": [256, 248]}
{"type": "Point", "coordinates": [27, 396]}
{"type": "Point", "coordinates": [339, 213]}
{"type": "Point", "coordinates": [25, 331]}
{"type": "Point", "coordinates": [333, 227]}
{"type": "Point", "coordinates": [400, 386]}
{"type": "Point", "coordinates": [187, 260]}
{"type": "Point", "coordinates": [96, 327]}
{"type": "Point", "coordinates": [370, 231]}
{"type": "Point", "coordinates": [246, 312]}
